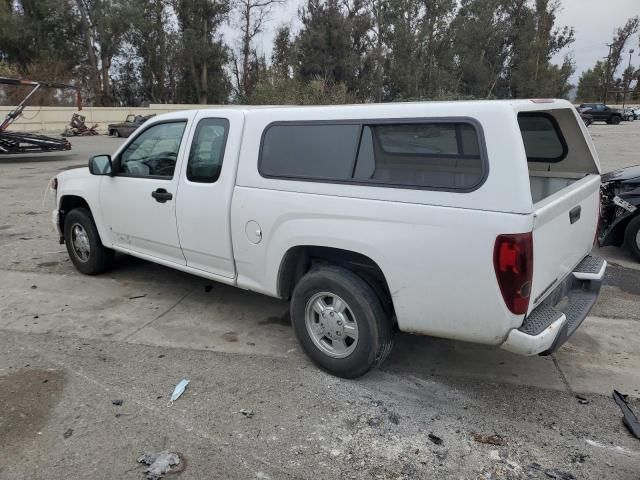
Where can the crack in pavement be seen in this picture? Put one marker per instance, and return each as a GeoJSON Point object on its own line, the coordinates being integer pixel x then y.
{"type": "Point", "coordinates": [159, 316]}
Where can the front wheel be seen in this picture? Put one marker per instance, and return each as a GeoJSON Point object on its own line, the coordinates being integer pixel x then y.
{"type": "Point", "coordinates": [340, 322]}
{"type": "Point", "coordinates": [615, 120]}
{"type": "Point", "coordinates": [83, 243]}
{"type": "Point", "coordinates": [632, 237]}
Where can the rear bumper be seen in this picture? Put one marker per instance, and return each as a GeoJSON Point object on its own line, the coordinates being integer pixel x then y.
{"type": "Point", "coordinates": [552, 322]}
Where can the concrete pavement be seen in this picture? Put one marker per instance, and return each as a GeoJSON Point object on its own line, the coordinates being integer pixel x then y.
{"type": "Point", "coordinates": [136, 331]}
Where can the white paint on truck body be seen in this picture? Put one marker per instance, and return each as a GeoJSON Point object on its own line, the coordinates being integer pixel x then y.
{"type": "Point", "coordinates": [434, 247]}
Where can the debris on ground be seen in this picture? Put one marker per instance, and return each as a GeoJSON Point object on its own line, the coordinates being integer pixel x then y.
{"type": "Point", "coordinates": [179, 390]}
{"type": "Point", "coordinates": [247, 413]}
{"type": "Point", "coordinates": [117, 403]}
{"type": "Point", "coordinates": [159, 463]}
{"type": "Point", "coordinates": [133, 297]}
{"type": "Point", "coordinates": [33, 287]}
{"type": "Point", "coordinates": [78, 127]}
{"type": "Point", "coordinates": [555, 473]}
{"type": "Point", "coordinates": [490, 439]}
{"type": "Point", "coordinates": [629, 418]}
{"type": "Point", "coordinates": [559, 474]}
{"type": "Point", "coordinates": [68, 433]}
{"type": "Point", "coordinates": [582, 400]}
{"type": "Point", "coordinates": [435, 439]}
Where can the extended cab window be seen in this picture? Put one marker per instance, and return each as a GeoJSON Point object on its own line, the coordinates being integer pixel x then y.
{"type": "Point", "coordinates": [543, 141]}
{"type": "Point", "coordinates": [154, 152]}
{"type": "Point", "coordinates": [444, 155]}
{"type": "Point", "coordinates": [207, 150]}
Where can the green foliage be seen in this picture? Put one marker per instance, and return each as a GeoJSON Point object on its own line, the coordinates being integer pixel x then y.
{"type": "Point", "coordinates": [275, 90]}
{"type": "Point", "coordinates": [172, 51]}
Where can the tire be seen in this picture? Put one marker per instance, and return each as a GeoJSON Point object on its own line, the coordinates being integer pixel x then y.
{"type": "Point", "coordinates": [615, 120]}
{"type": "Point", "coordinates": [83, 243]}
{"type": "Point", "coordinates": [632, 237]}
{"type": "Point", "coordinates": [118, 134]}
{"type": "Point", "coordinates": [363, 310]}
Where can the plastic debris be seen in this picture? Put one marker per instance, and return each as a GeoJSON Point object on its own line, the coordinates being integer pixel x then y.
{"type": "Point", "coordinates": [179, 390]}
{"type": "Point", "coordinates": [435, 439]}
{"type": "Point", "coordinates": [247, 413]}
{"type": "Point", "coordinates": [630, 420]}
{"type": "Point", "coordinates": [133, 297]}
{"type": "Point", "coordinates": [117, 403]}
{"type": "Point", "coordinates": [490, 439]}
{"type": "Point", "coordinates": [159, 463]}
{"type": "Point", "coordinates": [582, 400]}
{"type": "Point", "coordinates": [68, 433]}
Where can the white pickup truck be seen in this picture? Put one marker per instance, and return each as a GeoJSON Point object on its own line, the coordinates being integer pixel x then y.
{"type": "Point", "coordinates": [464, 220]}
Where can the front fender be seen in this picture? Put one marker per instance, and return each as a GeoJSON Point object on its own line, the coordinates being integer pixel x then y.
{"type": "Point", "coordinates": [87, 187]}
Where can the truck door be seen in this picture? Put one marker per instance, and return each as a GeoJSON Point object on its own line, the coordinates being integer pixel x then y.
{"type": "Point", "coordinates": [204, 194]}
{"type": "Point", "coordinates": [139, 201]}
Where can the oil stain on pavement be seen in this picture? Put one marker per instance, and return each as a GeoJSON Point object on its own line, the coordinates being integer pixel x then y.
{"type": "Point", "coordinates": [27, 398]}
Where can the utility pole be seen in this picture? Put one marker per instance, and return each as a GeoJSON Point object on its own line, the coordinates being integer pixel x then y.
{"type": "Point", "coordinates": [606, 80]}
{"type": "Point", "coordinates": [628, 83]}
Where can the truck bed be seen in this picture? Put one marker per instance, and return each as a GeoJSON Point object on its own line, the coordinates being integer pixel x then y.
{"type": "Point", "coordinates": [544, 185]}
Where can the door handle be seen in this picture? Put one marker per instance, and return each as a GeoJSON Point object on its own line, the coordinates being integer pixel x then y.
{"type": "Point", "coordinates": [574, 214]}
{"type": "Point", "coordinates": [161, 195]}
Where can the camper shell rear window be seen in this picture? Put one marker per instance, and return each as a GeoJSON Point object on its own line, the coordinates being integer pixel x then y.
{"type": "Point", "coordinates": [542, 137]}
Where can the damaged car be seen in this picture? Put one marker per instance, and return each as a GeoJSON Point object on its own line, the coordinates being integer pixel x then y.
{"type": "Point", "coordinates": [620, 210]}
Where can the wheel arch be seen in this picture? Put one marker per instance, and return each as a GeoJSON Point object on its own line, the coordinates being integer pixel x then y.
{"type": "Point", "coordinates": [300, 259]}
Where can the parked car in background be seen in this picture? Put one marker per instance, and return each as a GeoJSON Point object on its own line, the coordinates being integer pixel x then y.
{"type": "Point", "coordinates": [620, 211]}
{"type": "Point", "coordinates": [628, 115]}
{"type": "Point", "coordinates": [636, 113]}
{"type": "Point", "coordinates": [585, 115]}
{"type": "Point", "coordinates": [471, 221]}
{"type": "Point", "coordinates": [602, 113]}
{"type": "Point", "coordinates": [126, 128]}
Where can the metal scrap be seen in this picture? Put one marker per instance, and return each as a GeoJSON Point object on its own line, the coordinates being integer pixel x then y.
{"type": "Point", "coordinates": [629, 419]}
{"type": "Point", "coordinates": [77, 127]}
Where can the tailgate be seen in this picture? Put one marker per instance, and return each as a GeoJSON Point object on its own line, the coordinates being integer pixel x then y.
{"type": "Point", "coordinates": [564, 230]}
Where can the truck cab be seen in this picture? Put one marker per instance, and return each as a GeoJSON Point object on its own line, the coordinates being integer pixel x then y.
{"type": "Point", "coordinates": [471, 221]}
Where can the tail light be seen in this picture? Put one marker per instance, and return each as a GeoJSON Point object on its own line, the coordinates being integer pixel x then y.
{"type": "Point", "coordinates": [513, 262]}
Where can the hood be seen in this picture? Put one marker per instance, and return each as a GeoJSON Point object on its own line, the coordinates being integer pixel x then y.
{"type": "Point", "coordinates": [630, 174]}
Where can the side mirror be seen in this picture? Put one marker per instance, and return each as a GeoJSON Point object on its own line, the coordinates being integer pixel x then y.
{"type": "Point", "coordinates": [100, 165]}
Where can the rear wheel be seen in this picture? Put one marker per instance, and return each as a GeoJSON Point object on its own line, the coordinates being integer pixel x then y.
{"type": "Point", "coordinates": [83, 243]}
{"type": "Point", "coordinates": [615, 120]}
{"type": "Point", "coordinates": [632, 237]}
{"type": "Point", "coordinates": [340, 322]}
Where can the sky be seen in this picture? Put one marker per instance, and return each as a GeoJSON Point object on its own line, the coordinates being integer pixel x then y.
{"type": "Point", "coordinates": [594, 21]}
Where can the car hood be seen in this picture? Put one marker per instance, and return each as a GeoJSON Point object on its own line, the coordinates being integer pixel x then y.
{"type": "Point", "coordinates": [629, 174]}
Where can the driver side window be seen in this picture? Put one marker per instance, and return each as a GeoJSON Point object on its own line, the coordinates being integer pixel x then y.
{"type": "Point", "coordinates": [154, 152]}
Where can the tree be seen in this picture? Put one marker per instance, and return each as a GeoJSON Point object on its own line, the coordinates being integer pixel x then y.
{"type": "Point", "coordinates": [103, 24]}
{"type": "Point", "coordinates": [282, 56]}
{"type": "Point", "coordinates": [203, 54]}
{"type": "Point", "coordinates": [153, 55]}
{"type": "Point", "coordinates": [591, 83]}
{"type": "Point", "coordinates": [596, 82]}
{"type": "Point", "coordinates": [246, 65]}
{"type": "Point", "coordinates": [330, 44]}
{"type": "Point", "coordinates": [481, 45]}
